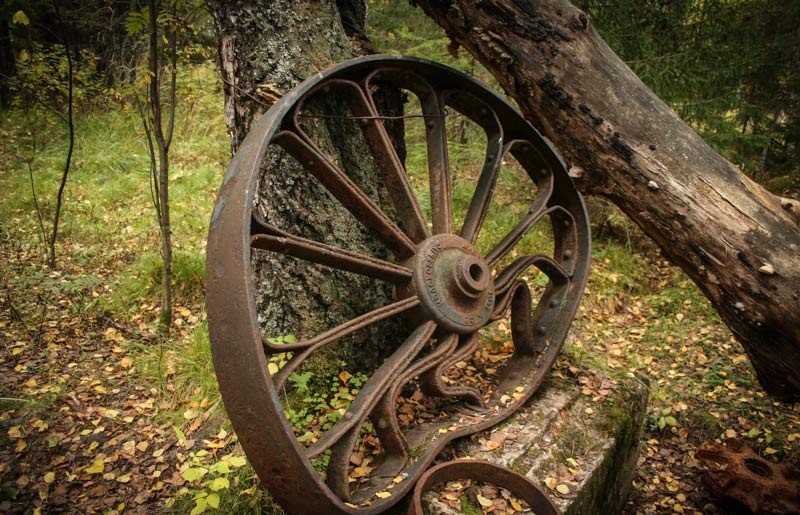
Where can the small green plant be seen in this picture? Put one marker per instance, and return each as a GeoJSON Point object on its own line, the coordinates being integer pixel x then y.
{"type": "Point", "coordinates": [209, 480]}
{"type": "Point", "coordinates": [277, 361]}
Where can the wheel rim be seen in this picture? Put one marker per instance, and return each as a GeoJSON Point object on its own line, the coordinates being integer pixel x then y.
{"type": "Point", "coordinates": [442, 285]}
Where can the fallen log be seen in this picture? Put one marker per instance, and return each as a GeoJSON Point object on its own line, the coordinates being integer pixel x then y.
{"type": "Point", "coordinates": [739, 243]}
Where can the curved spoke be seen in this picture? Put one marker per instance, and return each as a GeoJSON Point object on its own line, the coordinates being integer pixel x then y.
{"type": "Point", "coordinates": [386, 426]}
{"type": "Point", "coordinates": [431, 380]}
{"type": "Point", "coordinates": [537, 210]}
{"type": "Point", "coordinates": [403, 197]}
{"type": "Point", "coordinates": [346, 192]}
{"type": "Point", "coordinates": [331, 335]}
{"type": "Point", "coordinates": [363, 108]}
{"type": "Point", "coordinates": [438, 165]}
{"type": "Point", "coordinates": [484, 190]}
{"type": "Point", "coordinates": [522, 319]}
{"type": "Point", "coordinates": [436, 139]}
{"type": "Point", "coordinates": [374, 388]}
{"type": "Point", "coordinates": [276, 240]}
{"type": "Point", "coordinates": [544, 263]}
{"type": "Point", "coordinates": [390, 434]}
{"type": "Point", "coordinates": [479, 112]}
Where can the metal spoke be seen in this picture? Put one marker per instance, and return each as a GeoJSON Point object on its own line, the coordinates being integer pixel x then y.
{"type": "Point", "coordinates": [535, 213]}
{"type": "Point", "coordinates": [484, 190]}
{"type": "Point", "coordinates": [438, 165]}
{"type": "Point", "coordinates": [390, 433]}
{"type": "Point", "coordinates": [347, 192]}
{"type": "Point", "coordinates": [386, 425]}
{"type": "Point", "coordinates": [331, 335]}
{"type": "Point", "coordinates": [544, 263]}
{"type": "Point", "coordinates": [432, 383]}
{"type": "Point", "coordinates": [374, 389]}
{"type": "Point", "coordinates": [436, 139]}
{"type": "Point", "coordinates": [278, 241]}
{"type": "Point", "coordinates": [364, 108]}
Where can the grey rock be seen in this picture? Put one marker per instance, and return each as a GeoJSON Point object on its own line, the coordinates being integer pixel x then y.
{"type": "Point", "coordinates": [589, 445]}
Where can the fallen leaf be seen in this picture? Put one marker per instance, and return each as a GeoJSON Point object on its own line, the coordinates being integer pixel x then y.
{"type": "Point", "coordinates": [97, 467]}
{"type": "Point", "coordinates": [484, 501]}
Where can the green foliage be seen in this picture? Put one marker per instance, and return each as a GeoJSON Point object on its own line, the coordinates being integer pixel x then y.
{"type": "Point", "coordinates": [210, 479]}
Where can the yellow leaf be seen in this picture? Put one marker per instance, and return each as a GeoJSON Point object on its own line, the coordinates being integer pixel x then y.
{"type": "Point", "coordinates": [769, 450]}
{"type": "Point", "coordinates": [484, 501]}
{"type": "Point", "coordinates": [213, 500]}
{"type": "Point", "coordinates": [383, 495]}
{"type": "Point", "coordinates": [199, 506]}
{"type": "Point", "coordinates": [562, 489]}
{"type": "Point", "coordinates": [20, 18]}
{"type": "Point", "coordinates": [514, 504]}
{"type": "Point", "coordinates": [15, 432]}
{"type": "Point", "coordinates": [21, 446]}
{"type": "Point", "coordinates": [125, 478]}
{"type": "Point", "coordinates": [49, 477]}
{"type": "Point", "coordinates": [550, 483]}
{"type": "Point", "coordinates": [97, 467]}
{"type": "Point", "coordinates": [344, 376]}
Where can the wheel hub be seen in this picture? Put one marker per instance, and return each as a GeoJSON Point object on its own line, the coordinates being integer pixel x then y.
{"type": "Point", "coordinates": [453, 283]}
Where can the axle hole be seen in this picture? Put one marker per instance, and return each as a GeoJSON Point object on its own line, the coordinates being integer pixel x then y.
{"type": "Point", "coordinates": [475, 272]}
{"type": "Point", "coordinates": [758, 467]}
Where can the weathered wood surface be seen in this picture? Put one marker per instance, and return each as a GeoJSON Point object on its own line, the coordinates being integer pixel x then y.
{"type": "Point", "coordinates": [738, 242]}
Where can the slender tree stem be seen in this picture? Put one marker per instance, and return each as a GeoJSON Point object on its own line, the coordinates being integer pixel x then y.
{"type": "Point", "coordinates": [71, 125]}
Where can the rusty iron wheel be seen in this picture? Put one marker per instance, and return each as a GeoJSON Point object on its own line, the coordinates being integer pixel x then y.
{"type": "Point", "coordinates": [443, 285]}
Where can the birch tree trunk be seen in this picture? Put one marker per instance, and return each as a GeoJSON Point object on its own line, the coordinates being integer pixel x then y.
{"type": "Point", "coordinates": [739, 243]}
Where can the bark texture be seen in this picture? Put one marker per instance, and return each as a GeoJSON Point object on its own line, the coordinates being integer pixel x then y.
{"type": "Point", "coordinates": [265, 49]}
{"type": "Point", "coordinates": [738, 242]}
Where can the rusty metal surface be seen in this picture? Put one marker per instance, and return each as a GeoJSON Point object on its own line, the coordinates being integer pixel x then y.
{"type": "Point", "coordinates": [737, 475]}
{"type": "Point", "coordinates": [443, 286]}
{"type": "Point", "coordinates": [485, 472]}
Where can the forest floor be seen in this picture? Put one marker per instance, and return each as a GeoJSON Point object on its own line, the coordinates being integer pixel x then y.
{"type": "Point", "coordinates": [101, 413]}
{"type": "Point", "coordinates": [90, 421]}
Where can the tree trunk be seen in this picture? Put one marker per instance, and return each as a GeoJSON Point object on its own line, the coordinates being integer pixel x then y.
{"type": "Point", "coordinates": [265, 49]}
{"type": "Point", "coordinates": [738, 242]}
